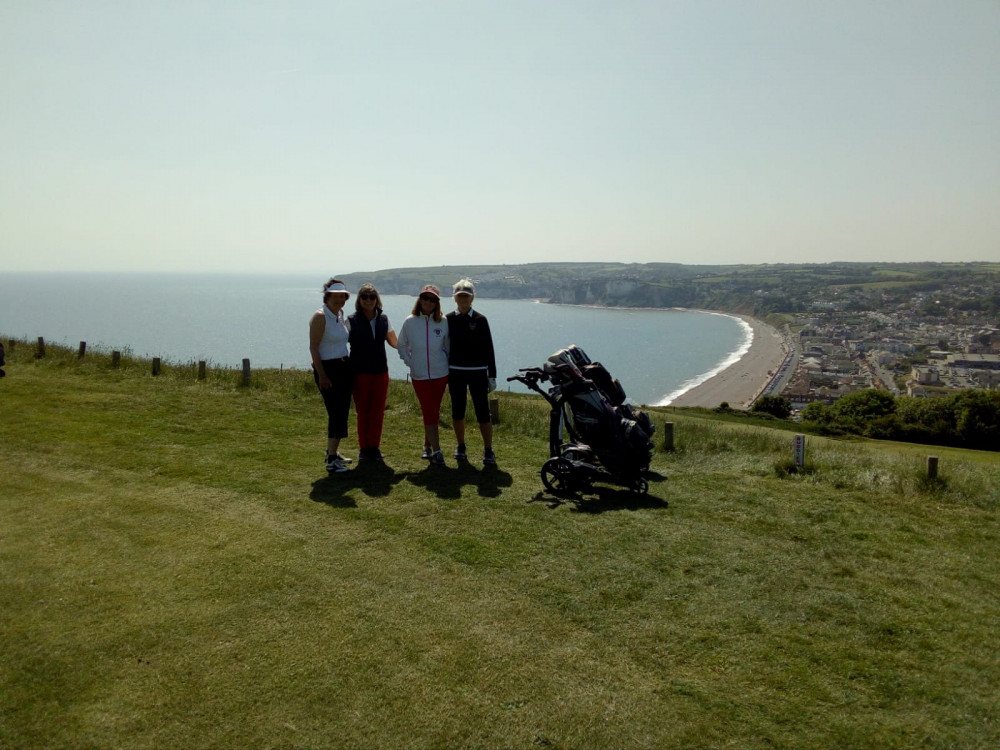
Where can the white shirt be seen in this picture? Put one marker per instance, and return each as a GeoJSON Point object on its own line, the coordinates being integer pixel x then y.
{"type": "Point", "coordinates": [333, 345]}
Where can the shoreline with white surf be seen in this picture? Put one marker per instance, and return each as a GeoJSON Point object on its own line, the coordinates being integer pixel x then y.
{"type": "Point", "coordinates": [739, 378]}
{"type": "Point", "coordinates": [659, 354]}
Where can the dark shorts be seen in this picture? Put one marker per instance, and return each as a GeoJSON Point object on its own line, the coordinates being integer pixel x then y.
{"type": "Point", "coordinates": [477, 384]}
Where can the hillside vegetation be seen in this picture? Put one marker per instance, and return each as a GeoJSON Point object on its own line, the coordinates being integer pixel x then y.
{"type": "Point", "coordinates": [179, 571]}
{"type": "Point", "coordinates": [760, 290]}
{"type": "Point", "coordinates": [966, 418]}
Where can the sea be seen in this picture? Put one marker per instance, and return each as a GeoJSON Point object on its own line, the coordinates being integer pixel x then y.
{"type": "Point", "coordinates": [223, 319]}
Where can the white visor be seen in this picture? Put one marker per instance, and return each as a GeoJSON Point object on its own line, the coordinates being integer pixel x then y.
{"type": "Point", "coordinates": [338, 287]}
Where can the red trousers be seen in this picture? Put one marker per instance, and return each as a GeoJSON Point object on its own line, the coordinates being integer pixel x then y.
{"type": "Point", "coordinates": [429, 394]}
{"type": "Point", "coordinates": [369, 402]}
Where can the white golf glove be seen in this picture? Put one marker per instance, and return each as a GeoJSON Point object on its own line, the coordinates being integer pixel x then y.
{"type": "Point", "coordinates": [492, 386]}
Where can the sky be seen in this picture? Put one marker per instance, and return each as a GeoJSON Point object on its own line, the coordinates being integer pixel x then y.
{"type": "Point", "coordinates": [334, 136]}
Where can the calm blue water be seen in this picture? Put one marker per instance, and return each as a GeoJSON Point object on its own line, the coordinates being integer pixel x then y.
{"type": "Point", "coordinates": [656, 354]}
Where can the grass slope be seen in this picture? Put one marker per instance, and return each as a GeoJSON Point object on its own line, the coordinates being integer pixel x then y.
{"type": "Point", "coordinates": [177, 570]}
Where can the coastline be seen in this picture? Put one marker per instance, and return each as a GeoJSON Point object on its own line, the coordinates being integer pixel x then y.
{"type": "Point", "coordinates": [110, 313]}
{"type": "Point", "coordinates": [741, 382]}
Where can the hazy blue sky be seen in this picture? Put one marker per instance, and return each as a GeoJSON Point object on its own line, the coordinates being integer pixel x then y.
{"type": "Point", "coordinates": [331, 136]}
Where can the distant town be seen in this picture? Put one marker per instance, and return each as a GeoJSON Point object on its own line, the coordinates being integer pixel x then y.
{"type": "Point", "coordinates": [913, 329]}
{"type": "Point", "coordinates": [914, 343]}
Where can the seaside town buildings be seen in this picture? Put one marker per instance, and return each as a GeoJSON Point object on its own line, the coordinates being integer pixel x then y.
{"type": "Point", "coordinates": [923, 346]}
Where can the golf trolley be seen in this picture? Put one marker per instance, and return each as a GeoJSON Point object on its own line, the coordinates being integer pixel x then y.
{"type": "Point", "coordinates": [609, 441]}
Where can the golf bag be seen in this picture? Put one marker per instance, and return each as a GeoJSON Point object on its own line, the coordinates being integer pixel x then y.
{"type": "Point", "coordinates": [608, 440]}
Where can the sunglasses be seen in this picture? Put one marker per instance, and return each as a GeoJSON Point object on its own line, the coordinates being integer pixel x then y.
{"type": "Point", "coordinates": [368, 295]}
{"type": "Point", "coordinates": [428, 298]}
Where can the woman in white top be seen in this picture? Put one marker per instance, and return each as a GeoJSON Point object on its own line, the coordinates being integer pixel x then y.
{"type": "Point", "coordinates": [423, 346]}
{"type": "Point", "coordinates": [328, 335]}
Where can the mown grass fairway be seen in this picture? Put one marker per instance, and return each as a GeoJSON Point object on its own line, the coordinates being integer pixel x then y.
{"type": "Point", "coordinates": [177, 570]}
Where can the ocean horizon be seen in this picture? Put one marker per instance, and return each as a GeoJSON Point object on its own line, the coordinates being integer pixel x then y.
{"type": "Point", "coordinates": [222, 319]}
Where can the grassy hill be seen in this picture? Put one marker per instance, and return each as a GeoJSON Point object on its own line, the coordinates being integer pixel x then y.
{"type": "Point", "coordinates": [177, 570]}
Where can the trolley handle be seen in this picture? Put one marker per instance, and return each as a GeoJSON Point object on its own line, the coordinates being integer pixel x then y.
{"type": "Point", "coordinates": [529, 373]}
{"type": "Point", "coordinates": [530, 376]}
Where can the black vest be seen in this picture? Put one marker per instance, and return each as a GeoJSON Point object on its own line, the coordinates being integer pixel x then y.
{"type": "Point", "coordinates": [367, 348]}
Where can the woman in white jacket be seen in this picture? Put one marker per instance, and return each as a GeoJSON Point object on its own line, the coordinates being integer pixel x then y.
{"type": "Point", "coordinates": [423, 346]}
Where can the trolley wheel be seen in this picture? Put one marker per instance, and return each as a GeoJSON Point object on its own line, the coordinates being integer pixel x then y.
{"type": "Point", "coordinates": [640, 487]}
{"type": "Point", "coordinates": [557, 475]}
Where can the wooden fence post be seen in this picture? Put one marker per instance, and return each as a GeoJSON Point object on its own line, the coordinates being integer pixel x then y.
{"type": "Point", "coordinates": [201, 369]}
{"type": "Point", "coordinates": [156, 366]}
{"type": "Point", "coordinates": [116, 358]}
{"type": "Point", "coordinates": [932, 467]}
{"type": "Point", "coordinates": [246, 372]}
{"type": "Point", "coordinates": [668, 436]}
{"type": "Point", "coordinates": [82, 350]}
{"type": "Point", "coordinates": [495, 410]}
{"type": "Point", "coordinates": [40, 354]}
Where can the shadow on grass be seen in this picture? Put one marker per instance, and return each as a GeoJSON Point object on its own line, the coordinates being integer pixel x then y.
{"type": "Point", "coordinates": [373, 478]}
{"type": "Point", "coordinates": [597, 498]}
{"type": "Point", "coordinates": [601, 500]}
{"type": "Point", "coordinates": [446, 482]}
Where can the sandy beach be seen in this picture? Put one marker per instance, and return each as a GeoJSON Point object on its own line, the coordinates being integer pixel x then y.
{"type": "Point", "coordinates": [740, 383]}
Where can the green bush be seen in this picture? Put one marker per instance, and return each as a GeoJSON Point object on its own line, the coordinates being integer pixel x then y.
{"type": "Point", "coordinates": [967, 419]}
{"type": "Point", "coordinates": [816, 412]}
{"type": "Point", "coordinates": [776, 406]}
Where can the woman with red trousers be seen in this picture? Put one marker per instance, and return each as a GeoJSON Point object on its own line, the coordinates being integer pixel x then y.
{"type": "Point", "coordinates": [423, 346]}
{"type": "Point", "coordinates": [370, 331]}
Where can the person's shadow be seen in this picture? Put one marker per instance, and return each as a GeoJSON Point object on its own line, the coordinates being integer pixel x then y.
{"type": "Point", "coordinates": [373, 478]}
{"type": "Point", "coordinates": [447, 481]}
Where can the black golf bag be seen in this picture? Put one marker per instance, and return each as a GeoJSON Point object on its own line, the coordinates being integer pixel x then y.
{"type": "Point", "coordinates": [608, 440]}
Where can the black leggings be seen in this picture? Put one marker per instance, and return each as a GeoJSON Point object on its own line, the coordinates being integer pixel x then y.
{"type": "Point", "coordinates": [337, 398]}
{"type": "Point", "coordinates": [478, 384]}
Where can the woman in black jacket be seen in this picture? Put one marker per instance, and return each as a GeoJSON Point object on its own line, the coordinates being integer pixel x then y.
{"type": "Point", "coordinates": [472, 368]}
